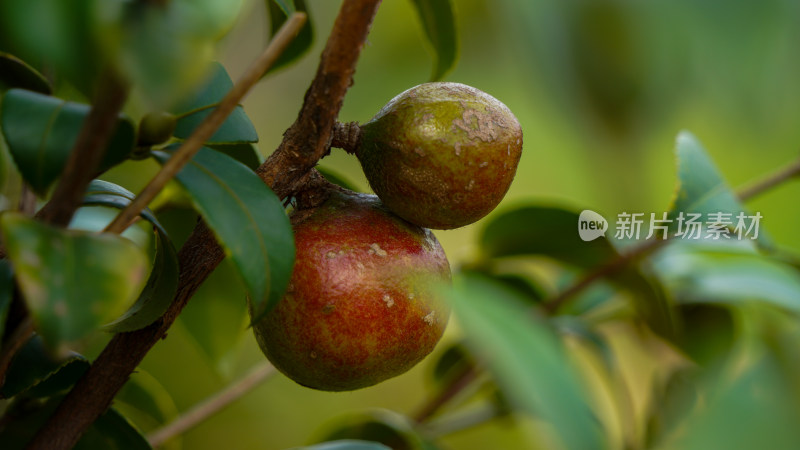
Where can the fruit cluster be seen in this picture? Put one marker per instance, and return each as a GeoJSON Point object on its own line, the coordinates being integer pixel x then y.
{"type": "Point", "coordinates": [362, 305]}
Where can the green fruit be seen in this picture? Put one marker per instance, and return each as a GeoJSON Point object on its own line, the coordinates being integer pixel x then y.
{"type": "Point", "coordinates": [362, 303]}
{"type": "Point", "coordinates": [441, 155]}
{"type": "Point", "coordinates": [156, 128]}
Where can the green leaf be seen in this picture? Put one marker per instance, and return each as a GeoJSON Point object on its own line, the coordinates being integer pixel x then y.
{"type": "Point", "coordinates": [142, 394]}
{"type": "Point", "coordinates": [247, 218]}
{"type": "Point", "coordinates": [58, 34]}
{"type": "Point", "coordinates": [165, 48]}
{"type": "Point", "coordinates": [527, 359]}
{"type": "Point", "coordinates": [287, 7]}
{"type": "Point", "coordinates": [246, 154]}
{"type": "Point", "coordinates": [751, 411]}
{"type": "Point", "coordinates": [346, 444]}
{"type": "Point", "coordinates": [453, 362]}
{"type": "Point", "coordinates": [439, 23]}
{"type": "Point", "coordinates": [35, 372]}
{"type": "Point", "coordinates": [543, 230]}
{"type": "Point", "coordinates": [278, 14]}
{"type": "Point", "coordinates": [111, 431]}
{"type": "Point", "coordinates": [16, 73]}
{"type": "Point", "coordinates": [236, 129]}
{"type": "Point", "coordinates": [722, 272]}
{"type": "Point", "coordinates": [6, 294]}
{"type": "Point", "coordinates": [701, 189]}
{"type": "Point", "coordinates": [162, 284]}
{"type": "Point", "coordinates": [41, 130]}
{"type": "Point", "coordinates": [378, 426]}
{"type": "Point", "coordinates": [72, 281]}
{"type": "Point", "coordinates": [217, 306]}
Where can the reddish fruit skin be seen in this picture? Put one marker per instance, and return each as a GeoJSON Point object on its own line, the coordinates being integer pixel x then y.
{"type": "Point", "coordinates": [361, 305]}
{"type": "Point", "coordinates": [441, 155]}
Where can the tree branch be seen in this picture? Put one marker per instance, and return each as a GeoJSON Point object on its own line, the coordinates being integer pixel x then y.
{"type": "Point", "coordinates": [304, 143]}
{"type": "Point", "coordinates": [88, 151]}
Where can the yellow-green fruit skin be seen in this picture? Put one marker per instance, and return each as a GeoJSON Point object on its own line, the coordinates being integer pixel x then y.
{"type": "Point", "coordinates": [441, 155]}
{"type": "Point", "coordinates": [362, 303]}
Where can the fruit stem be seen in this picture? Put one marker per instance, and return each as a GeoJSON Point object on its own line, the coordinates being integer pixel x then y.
{"type": "Point", "coordinates": [346, 136]}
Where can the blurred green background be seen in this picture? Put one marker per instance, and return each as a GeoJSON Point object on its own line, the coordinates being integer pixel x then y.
{"type": "Point", "coordinates": [601, 88]}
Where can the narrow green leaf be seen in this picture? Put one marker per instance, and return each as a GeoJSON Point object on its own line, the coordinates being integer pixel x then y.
{"type": "Point", "coordinates": [526, 358]}
{"type": "Point", "coordinates": [378, 426]}
{"type": "Point", "coordinates": [72, 281]}
{"type": "Point", "coordinates": [701, 188]}
{"type": "Point", "coordinates": [35, 372]}
{"type": "Point", "coordinates": [58, 34]}
{"type": "Point", "coordinates": [6, 294]}
{"type": "Point", "coordinates": [113, 431]}
{"type": "Point", "coordinates": [236, 129]}
{"type": "Point", "coordinates": [146, 396]}
{"type": "Point", "coordinates": [41, 130]}
{"type": "Point", "coordinates": [439, 23]}
{"type": "Point", "coordinates": [247, 218]}
{"type": "Point", "coordinates": [723, 273]}
{"type": "Point", "coordinates": [162, 284]}
{"type": "Point", "coordinates": [278, 14]}
{"type": "Point", "coordinates": [285, 6]}
{"type": "Point", "coordinates": [16, 73]}
{"type": "Point", "coordinates": [543, 230]}
{"type": "Point", "coordinates": [337, 179]}
{"type": "Point", "coordinates": [346, 444]}
{"type": "Point", "coordinates": [246, 154]}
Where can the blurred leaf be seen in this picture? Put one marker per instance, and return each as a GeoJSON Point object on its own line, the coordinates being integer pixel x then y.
{"type": "Point", "coordinates": [41, 130]}
{"type": "Point", "coordinates": [246, 154]}
{"type": "Point", "coordinates": [527, 359]}
{"type": "Point", "coordinates": [279, 11]}
{"type": "Point", "coordinates": [72, 281]}
{"type": "Point", "coordinates": [721, 273]}
{"type": "Point", "coordinates": [16, 73]}
{"type": "Point", "coordinates": [59, 35]}
{"type": "Point", "coordinates": [671, 403]}
{"type": "Point", "coordinates": [382, 426]}
{"type": "Point", "coordinates": [162, 284]}
{"type": "Point", "coordinates": [708, 332]}
{"type": "Point", "coordinates": [147, 396]}
{"type": "Point", "coordinates": [546, 231]}
{"type": "Point", "coordinates": [574, 326]}
{"type": "Point", "coordinates": [6, 294]}
{"type": "Point", "coordinates": [35, 372]}
{"type": "Point", "coordinates": [287, 7]}
{"type": "Point", "coordinates": [216, 318]}
{"type": "Point", "coordinates": [452, 362]}
{"type": "Point", "coordinates": [439, 23]}
{"type": "Point", "coordinates": [247, 218]}
{"type": "Point", "coordinates": [346, 444]}
{"type": "Point", "coordinates": [336, 179]}
{"type": "Point", "coordinates": [748, 412]}
{"type": "Point", "coordinates": [236, 129]}
{"type": "Point", "coordinates": [111, 431]}
{"type": "Point", "coordinates": [701, 189]}
{"type": "Point", "coordinates": [164, 48]}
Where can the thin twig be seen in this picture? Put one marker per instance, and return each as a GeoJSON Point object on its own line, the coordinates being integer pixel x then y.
{"type": "Point", "coordinates": [211, 405]}
{"type": "Point", "coordinates": [456, 385]}
{"type": "Point", "coordinates": [769, 181]}
{"type": "Point", "coordinates": [210, 124]}
{"type": "Point", "coordinates": [302, 146]}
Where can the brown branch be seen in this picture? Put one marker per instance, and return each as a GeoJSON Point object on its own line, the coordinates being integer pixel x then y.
{"type": "Point", "coordinates": [88, 151]}
{"type": "Point", "coordinates": [304, 143]}
{"type": "Point", "coordinates": [211, 405]}
{"type": "Point", "coordinates": [769, 181]}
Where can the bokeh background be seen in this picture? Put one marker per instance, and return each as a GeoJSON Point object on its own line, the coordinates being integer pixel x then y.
{"type": "Point", "coordinates": [601, 89]}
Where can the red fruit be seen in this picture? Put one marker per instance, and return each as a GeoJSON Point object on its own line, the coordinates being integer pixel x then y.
{"type": "Point", "coordinates": [361, 305]}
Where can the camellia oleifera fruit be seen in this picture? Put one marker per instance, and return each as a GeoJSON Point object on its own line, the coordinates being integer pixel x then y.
{"type": "Point", "coordinates": [441, 155]}
{"type": "Point", "coordinates": [362, 302]}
